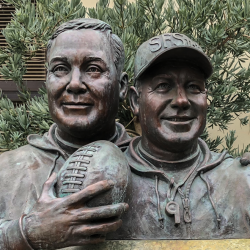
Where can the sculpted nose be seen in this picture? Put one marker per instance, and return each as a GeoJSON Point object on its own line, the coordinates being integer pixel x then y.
{"type": "Point", "coordinates": [180, 100]}
{"type": "Point", "coordinates": [76, 85]}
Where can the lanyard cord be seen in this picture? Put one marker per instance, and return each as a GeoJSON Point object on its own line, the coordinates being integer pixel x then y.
{"type": "Point", "coordinates": [192, 175]}
{"type": "Point", "coordinates": [172, 184]}
{"type": "Point", "coordinates": [210, 198]}
{"type": "Point", "coordinates": [160, 219]}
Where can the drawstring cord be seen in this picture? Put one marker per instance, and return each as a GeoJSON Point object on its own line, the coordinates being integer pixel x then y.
{"type": "Point", "coordinates": [210, 198]}
{"type": "Point", "coordinates": [185, 200]}
{"type": "Point", "coordinates": [204, 168]}
{"type": "Point", "coordinates": [160, 218]}
{"type": "Point", "coordinates": [207, 168]}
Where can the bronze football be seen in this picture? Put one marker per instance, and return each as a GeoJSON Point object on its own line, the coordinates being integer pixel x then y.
{"type": "Point", "coordinates": [97, 161]}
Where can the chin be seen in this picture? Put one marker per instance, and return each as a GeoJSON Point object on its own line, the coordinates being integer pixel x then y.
{"type": "Point", "coordinates": [77, 130]}
{"type": "Point", "coordinates": [180, 138]}
{"type": "Point", "coordinates": [76, 126]}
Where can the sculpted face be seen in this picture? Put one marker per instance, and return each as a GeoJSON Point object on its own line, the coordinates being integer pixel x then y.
{"type": "Point", "coordinates": [172, 105]}
{"type": "Point", "coordinates": [82, 83]}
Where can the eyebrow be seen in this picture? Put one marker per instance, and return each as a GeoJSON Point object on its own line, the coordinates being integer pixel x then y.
{"type": "Point", "coordinates": [91, 58]}
{"type": "Point", "coordinates": [58, 58]}
{"type": "Point", "coordinates": [65, 59]}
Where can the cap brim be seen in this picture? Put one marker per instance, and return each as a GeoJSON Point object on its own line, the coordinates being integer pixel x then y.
{"type": "Point", "coordinates": [185, 54]}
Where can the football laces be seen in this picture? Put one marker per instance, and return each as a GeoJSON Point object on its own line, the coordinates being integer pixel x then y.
{"type": "Point", "coordinates": [79, 162]}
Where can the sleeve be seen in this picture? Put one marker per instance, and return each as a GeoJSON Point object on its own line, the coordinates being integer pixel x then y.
{"type": "Point", "coordinates": [11, 237]}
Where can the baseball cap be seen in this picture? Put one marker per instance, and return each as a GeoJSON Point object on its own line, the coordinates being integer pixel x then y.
{"type": "Point", "coordinates": [171, 46]}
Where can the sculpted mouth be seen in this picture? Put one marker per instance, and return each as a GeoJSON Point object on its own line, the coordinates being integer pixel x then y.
{"type": "Point", "coordinates": [179, 119]}
{"type": "Point", "coordinates": [77, 104]}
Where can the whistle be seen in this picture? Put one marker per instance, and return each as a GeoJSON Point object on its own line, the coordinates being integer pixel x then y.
{"type": "Point", "coordinates": [172, 208]}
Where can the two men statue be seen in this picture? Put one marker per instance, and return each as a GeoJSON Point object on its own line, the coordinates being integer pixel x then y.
{"type": "Point", "coordinates": [179, 189]}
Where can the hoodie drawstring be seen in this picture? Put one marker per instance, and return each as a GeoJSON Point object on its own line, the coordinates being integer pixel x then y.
{"type": "Point", "coordinates": [160, 218]}
{"type": "Point", "coordinates": [185, 200]}
{"type": "Point", "coordinates": [210, 198]}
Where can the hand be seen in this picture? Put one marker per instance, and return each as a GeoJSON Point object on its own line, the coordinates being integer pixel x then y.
{"type": "Point", "coordinates": [61, 222]}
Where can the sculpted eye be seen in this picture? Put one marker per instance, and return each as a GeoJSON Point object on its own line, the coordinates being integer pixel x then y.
{"type": "Point", "coordinates": [163, 86]}
{"type": "Point", "coordinates": [60, 69]}
{"type": "Point", "coordinates": [93, 69]}
{"type": "Point", "coordinates": [194, 88]}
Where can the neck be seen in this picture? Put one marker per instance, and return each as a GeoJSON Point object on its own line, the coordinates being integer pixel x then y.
{"type": "Point", "coordinates": [172, 152]}
{"type": "Point", "coordinates": [78, 141]}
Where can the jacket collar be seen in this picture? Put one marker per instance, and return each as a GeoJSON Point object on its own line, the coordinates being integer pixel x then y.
{"type": "Point", "coordinates": [47, 142]}
{"type": "Point", "coordinates": [141, 167]}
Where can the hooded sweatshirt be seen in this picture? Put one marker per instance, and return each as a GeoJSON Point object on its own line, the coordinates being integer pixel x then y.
{"type": "Point", "coordinates": [22, 174]}
{"type": "Point", "coordinates": [214, 200]}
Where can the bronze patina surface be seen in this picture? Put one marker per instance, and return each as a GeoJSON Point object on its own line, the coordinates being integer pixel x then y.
{"type": "Point", "coordinates": [180, 189]}
{"type": "Point", "coordinates": [96, 161]}
{"type": "Point", "coordinates": [84, 83]}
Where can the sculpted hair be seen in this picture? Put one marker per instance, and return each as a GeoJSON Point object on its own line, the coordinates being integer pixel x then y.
{"type": "Point", "coordinates": [94, 24]}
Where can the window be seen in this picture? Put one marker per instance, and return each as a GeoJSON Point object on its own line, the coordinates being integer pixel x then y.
{"type": "Point", "coordinates": [36, 73]}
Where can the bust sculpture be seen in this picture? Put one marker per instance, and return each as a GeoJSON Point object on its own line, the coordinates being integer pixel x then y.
{"type": "Point", "coordinates": [84, 83]}
{"type": "Point", "coordinates": [180, 189]}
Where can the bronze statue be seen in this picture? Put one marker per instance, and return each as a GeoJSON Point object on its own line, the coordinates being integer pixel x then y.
{"type": "Point", "coordinates": [180, 189]}
{"type": "Point", "coordinates": [84, 83]}
{"type": "Point", "coordinates": [96, 161]}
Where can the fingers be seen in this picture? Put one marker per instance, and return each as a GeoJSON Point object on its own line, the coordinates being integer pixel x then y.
{"type": "Point", "coordinates": [98, 228]}
{"type": "Point", "coordinates": [89, 192]}
{"type": "Point", "coordinates": [48, 187]}
{"type": "Point", "coordinates": [103, 212]}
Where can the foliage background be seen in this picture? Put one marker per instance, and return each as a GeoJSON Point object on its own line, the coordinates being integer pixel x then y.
{"type": "Point", "coordinates": [221, 28]}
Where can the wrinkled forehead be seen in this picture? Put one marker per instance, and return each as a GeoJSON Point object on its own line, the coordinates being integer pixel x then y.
{"type": "Point", "coordinates": [81, 43]}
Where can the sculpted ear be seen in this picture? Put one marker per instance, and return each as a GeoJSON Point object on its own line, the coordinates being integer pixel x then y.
{"type": "Point", "coordinates": [123, 86]}
{"type": "Point", "coordinates": [134, 100]}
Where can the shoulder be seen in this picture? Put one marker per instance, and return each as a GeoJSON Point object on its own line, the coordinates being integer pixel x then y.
{"type": "Point", "coordinates": [18, 154]}
{"type": "Point", "coordinates": [24, 157]}
{"type": "Point", "coordinates": [230, 170]}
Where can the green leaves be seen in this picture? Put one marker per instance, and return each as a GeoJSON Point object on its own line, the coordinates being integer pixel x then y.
{"type": "Point", "coordinates": [16, 123]}
{"type": "Point", "coordinates": [29, 31]}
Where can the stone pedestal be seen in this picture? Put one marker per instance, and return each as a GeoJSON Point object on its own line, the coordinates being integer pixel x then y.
{"type": "Point", "coordinates": [241, 244]}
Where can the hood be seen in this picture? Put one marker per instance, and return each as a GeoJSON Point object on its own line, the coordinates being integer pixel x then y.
{"type": "Point", "coordinates": [47, 142]}
{"type": "Point", "coordinates": [123, 139]}
{"type": "Point", "coordinates": [209, 161]}
{"type": "Point", "coordinates": [141, 167]}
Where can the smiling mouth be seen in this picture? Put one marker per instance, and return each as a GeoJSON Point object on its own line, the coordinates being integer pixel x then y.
{"type": "Point", "coordinates": [77, 105]}
{"type": "Point", "coordinates": [179, 119]}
